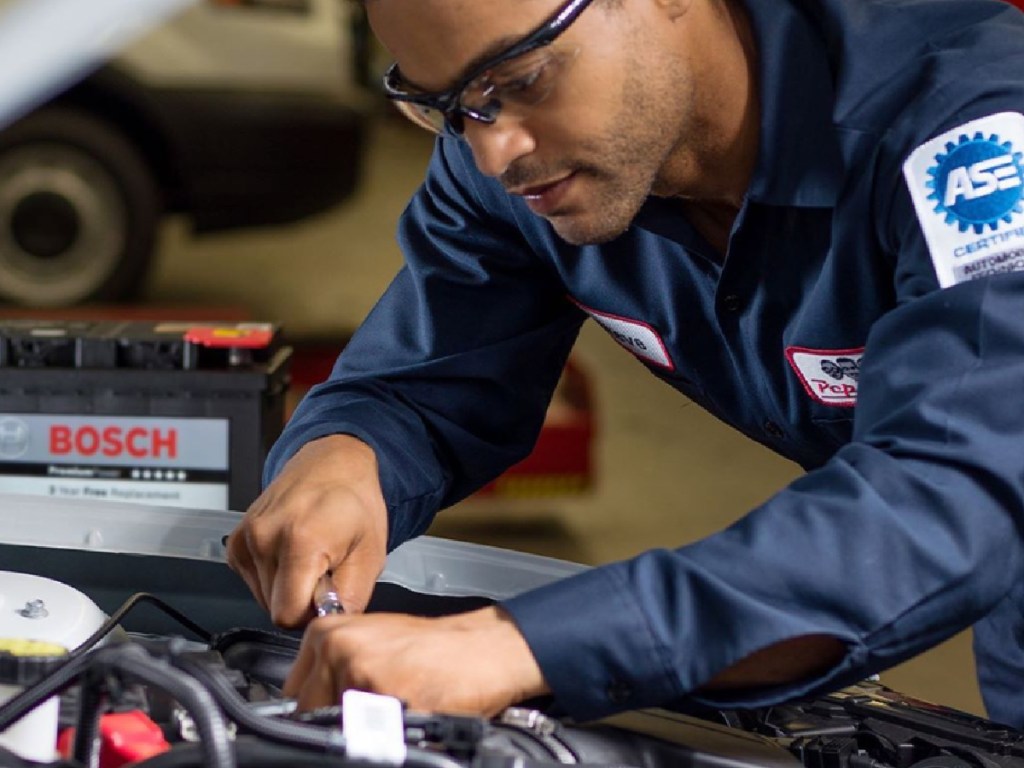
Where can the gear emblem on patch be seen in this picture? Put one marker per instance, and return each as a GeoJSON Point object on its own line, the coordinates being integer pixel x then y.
{"type": "Point", "coordinates": [977, 182]}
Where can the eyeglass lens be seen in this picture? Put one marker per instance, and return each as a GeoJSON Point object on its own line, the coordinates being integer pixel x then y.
{"type": "Point", "coordinates": [521, 82]}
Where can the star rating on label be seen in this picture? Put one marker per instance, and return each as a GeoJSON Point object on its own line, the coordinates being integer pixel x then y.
{"type": "Point", "coordinates": [178, 475]}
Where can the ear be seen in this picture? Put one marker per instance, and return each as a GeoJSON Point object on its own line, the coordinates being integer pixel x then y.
{"type": "Point", "coordinates": [674, 9]}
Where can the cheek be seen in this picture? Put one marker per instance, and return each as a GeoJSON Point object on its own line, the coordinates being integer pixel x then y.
{"type": "Point", "coordinates": [595, 87]}
{"type": "Point", "coordinates": [580, 107]}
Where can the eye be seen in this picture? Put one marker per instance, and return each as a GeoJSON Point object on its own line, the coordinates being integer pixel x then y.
{"type": "Point", "coordinates": [522, 82]}
{"type": "Point", "coordinates": [519, 83]}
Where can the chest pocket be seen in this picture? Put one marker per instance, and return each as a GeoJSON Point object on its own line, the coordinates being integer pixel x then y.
{"type": "Point", "coordinates": [833, 429]}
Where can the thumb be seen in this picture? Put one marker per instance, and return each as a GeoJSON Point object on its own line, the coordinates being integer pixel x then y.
{"type": "Point", "coordinates": [355, 577]}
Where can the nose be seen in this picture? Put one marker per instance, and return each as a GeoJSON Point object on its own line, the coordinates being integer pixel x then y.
{"type": "Point", "coordinates": [496, 146]}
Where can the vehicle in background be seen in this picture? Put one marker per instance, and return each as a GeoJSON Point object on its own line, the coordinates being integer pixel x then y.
{"type": "Point", "coordinates": [237, 113]}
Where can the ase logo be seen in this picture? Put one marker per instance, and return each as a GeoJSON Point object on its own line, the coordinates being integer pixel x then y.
{"type": "Point", "coordinates": [977, 182]}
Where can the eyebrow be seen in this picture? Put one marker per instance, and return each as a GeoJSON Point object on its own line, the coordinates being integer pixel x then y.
{"type": "Point", "coordinates": [496, 48]}
{"type": "Point", "coordinates": [493, 50]}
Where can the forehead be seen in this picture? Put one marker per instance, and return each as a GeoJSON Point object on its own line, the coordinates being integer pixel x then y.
{"type": "Point", "coordinates": [434, 40]}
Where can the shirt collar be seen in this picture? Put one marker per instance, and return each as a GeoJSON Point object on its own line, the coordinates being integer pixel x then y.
{"type": "Point", "coordinates": [799, 161]}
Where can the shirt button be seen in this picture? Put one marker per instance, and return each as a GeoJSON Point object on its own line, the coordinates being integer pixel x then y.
{"type": "Point", "coordinates": [773, 429]}
{"type": "Point", "coordinates": [619, 691]}
{"type": "Point", "coordinates": [731, 303]}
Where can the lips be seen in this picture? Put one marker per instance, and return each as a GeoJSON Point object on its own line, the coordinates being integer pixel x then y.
{"type": "Point", "coordinates": [544, 199]}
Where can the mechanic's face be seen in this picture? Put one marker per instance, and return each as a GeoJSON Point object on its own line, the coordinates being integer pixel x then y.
{"type": "Point", "coordinates": [618, 122]}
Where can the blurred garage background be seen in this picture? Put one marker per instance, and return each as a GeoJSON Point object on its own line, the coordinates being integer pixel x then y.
{"type": "Point", "coordinates": [232, 164]}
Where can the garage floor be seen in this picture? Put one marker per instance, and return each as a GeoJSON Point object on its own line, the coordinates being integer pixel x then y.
{"type": "Point", "coordinates": [667, 472]}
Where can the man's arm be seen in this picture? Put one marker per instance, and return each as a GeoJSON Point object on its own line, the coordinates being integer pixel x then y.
{"type": "Point", "coordinates": [478, 663]}
{"type": "Point", "coordinates": [443, 387]}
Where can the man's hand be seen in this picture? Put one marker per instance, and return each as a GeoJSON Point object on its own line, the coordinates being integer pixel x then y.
{"type": "Point", "coordinates": [474, 663]}
{"type": "Point", "coordinates": [324, 512]}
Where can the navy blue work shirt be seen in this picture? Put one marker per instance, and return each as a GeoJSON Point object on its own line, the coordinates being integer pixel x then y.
{"type": "Point", "coordinates": [867, 322]}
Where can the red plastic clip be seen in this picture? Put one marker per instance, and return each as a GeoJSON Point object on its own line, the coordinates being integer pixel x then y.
{"type": "Point", "coordinates": [125, 738]}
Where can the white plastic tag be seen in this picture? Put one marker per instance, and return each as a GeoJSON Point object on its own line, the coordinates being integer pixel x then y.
{"type": "Point", "coordinates": [373, 727]}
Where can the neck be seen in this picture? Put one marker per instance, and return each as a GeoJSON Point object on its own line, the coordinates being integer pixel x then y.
{"type": "Point", "coordinates": [715, 160]}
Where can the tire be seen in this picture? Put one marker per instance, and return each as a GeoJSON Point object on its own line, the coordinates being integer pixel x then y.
{"type": "Point", "coordinates": [79, 210]}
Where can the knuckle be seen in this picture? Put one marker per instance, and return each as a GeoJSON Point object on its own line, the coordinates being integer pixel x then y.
{"type": "Point", "coordinates": [362, 674]}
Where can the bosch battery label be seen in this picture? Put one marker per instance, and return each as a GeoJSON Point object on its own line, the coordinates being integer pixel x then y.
{"type": "Point", "coordinates": [968, 191]}
{"type": "Point", "coordinates": [829, 376]}
{"type": "Point", "coordinates": [179, 461]}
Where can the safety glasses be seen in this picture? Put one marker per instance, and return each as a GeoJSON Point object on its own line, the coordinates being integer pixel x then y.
{"type": "Point", "coordinates": [522, 75]}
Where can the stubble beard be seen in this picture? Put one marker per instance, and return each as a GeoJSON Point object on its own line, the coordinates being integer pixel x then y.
{"type": "Point", "coordinates": [643, 134]}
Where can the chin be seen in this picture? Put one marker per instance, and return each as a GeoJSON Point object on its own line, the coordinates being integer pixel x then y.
{"type": "Point", "coordinates": [588, 232]}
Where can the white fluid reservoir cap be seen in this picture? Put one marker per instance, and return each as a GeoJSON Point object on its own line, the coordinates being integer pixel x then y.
{"type": "Point", "coordinates": [37, 608]}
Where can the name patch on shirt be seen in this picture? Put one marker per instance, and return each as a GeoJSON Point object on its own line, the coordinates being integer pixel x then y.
{"type": "Point", "coordinates": [830, 376]}
{"type": "Point", "coordinates": [968, 191]}
{"type": "Point", "coordinates": [636, 336]}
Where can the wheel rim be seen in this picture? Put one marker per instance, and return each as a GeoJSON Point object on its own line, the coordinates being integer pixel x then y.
{"type": "Point", "coordinates": [63, 225]}
{"type": "Point", "coordinates": [45, 225]}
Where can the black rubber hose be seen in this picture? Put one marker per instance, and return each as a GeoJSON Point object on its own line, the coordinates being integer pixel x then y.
{"type": "Point", "coordinates": [288, 733]}
{"type": "Point", "coordinates": [272, 729]}
{"type": "Point", "coordinates": [92, 701]}
{"type": "Point", "coordinates": [127, 607]}
{"type": "Point", "coordinates": [53, 684]}
{"type": "Point", "coordinates": [252, 752]}
{"type": "Point", "coordinates": [138, 664]}
{"type": "Point", "coordinates": [78, 659]}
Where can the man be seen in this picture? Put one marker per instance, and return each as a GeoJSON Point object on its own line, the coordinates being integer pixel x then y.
{"type": "Point", "coordinates": [784, 209]}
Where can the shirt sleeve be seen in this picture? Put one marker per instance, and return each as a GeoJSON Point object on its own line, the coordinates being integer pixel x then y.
{"type": "Point", "coordinates": [449, 377]}
{"type": "Point", "coordinates": [908, 534]}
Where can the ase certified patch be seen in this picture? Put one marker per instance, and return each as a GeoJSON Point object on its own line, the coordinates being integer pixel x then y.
{"type": "Point", "coordinates": [968, 191]}
{"type": "Point", "coordinates": [830, 376]}
{"type": "Point", "coordinates": [636, 336]}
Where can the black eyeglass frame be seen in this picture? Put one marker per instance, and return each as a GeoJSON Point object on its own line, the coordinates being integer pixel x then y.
{"type": "Point", "coordinates": [448, 102]}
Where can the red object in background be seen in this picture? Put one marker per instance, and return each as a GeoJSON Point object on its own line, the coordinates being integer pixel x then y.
{"type": "Point", "coordinates": [560, 463]}
{"type": "Point", "coordinates": [1018, 3]}
{"type": "Point", "coordinates": [125, 738]}
{"type": "Point", "coordinates": [239, 335]}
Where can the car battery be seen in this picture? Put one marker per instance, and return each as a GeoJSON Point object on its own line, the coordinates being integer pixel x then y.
{"type": "Point", "coordinates": [162, 413]}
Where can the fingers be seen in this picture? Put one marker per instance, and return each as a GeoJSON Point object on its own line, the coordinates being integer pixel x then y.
{"type": "Point", "coordinates": [241, 561]}
{"type": "Point", "coordinates": [475, 663]}
{"type": "Point", "coordinates": [314, 680]}
{"type": "Point", "coordinates": [301, 668]}
{"type": "Point", "coordinates": [355, 577]}
{"type": "Point", "coordinates": [325, 511]}
{"type": "Point", "coordinates": [282, 575]}
{"type": "Point", "coordinates": [292, 587]}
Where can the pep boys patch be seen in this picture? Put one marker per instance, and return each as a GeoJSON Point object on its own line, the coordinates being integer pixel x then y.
{"type": "Point", "coordinates": [968, 191]}
{"type": "Point", "coordinates": [636, 336]}
{"type": "Point", "coordinates": [830, 376]}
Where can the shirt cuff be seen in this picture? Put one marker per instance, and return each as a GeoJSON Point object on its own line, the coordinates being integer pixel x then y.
{"type": "Point", "coordinates": [593, 644]}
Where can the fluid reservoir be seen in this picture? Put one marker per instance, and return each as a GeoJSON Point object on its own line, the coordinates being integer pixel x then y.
{"type": "Point", "coordinates": [40, 621]}
{"type": "Point", "coordinates": [24, 663]}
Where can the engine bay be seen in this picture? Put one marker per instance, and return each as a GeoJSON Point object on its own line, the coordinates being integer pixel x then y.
{"type": "Point", "coordinates": [214, 699]}
{"type": "Point", "coordinates": [166, 660]}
